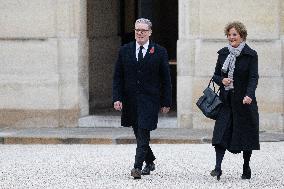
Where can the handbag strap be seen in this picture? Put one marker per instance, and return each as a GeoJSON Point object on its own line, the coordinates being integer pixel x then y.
{"type": "Point", "coordinates": [211, 81]}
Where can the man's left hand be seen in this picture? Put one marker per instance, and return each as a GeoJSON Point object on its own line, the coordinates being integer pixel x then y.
{"type": "Point", "coordinates": [165, 110]}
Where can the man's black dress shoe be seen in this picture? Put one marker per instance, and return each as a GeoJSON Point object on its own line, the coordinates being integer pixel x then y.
{"type": "Point", "coordinates": [149, 167]}
{"type": "Point", "coordinates": [217, 173]}
{"type": "Point", "coordinates": [246, 172]}
{"type": "Point", "coordinates": [136, 173]}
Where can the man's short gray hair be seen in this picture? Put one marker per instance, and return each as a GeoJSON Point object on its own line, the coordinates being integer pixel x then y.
{"type": "Point", "coordinates": [144, 21]}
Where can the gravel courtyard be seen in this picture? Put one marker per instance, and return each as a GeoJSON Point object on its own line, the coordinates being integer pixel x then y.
{"type": "Point", "coordinates": [108, 166]}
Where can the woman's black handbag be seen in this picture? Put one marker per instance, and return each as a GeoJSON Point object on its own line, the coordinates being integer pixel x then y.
{"type": "Point", "coordinates": [209, 103]}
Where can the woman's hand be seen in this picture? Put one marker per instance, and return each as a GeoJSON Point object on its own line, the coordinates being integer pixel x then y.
{"type": "Point", "coordinates": [227, 81]}
{"type": "Point", "coordinates": [247, 100]}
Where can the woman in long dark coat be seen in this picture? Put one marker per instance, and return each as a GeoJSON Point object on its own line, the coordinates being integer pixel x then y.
{"type": "Point", "coordinates": [237, 125]}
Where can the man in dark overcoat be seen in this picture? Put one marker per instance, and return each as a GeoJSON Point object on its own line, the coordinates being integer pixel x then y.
{"type": "Point", "coordinates": [142, 88]}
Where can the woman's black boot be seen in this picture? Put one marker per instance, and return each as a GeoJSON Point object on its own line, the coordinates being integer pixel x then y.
{"type": "Point", "coordinates": [246, 172]}
{"type": "Point", "coordinates": [220, 152]}
{"type": "Point", "coordinates": [246, 169]}
{"type": "Point", "coordinates": [216, 173]}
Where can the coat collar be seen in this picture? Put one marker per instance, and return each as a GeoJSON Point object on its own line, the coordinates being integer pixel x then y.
{"type": "Point", "coordinates": [132, 46]}
{"type": "Point", "coordinates": [148, 55]}
{"type": "Point", "coordinates": [246, 51]}
{"type": "Point", "coordinates": [146, 45]}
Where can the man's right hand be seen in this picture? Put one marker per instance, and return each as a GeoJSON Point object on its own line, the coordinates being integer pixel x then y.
{"type": "Point", "coordinates": [117, 105]}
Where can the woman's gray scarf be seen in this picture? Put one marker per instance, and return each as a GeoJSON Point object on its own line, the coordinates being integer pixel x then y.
{"type": "Point", "coordinates": [230, 62]}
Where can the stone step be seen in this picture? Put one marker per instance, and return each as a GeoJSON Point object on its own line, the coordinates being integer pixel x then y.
{"type": "Point", "coordinates": [114, 121]}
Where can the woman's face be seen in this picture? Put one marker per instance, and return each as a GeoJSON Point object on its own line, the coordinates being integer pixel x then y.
{"type": "Point", "coordinates": [234, 38]}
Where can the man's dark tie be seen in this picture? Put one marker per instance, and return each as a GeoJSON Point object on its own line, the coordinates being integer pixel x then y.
{"type": "Point", "coordinates": [140, 55]}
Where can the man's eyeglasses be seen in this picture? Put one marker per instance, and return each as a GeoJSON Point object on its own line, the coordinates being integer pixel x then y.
{"type": "Point", "coordinates": [140, 30]}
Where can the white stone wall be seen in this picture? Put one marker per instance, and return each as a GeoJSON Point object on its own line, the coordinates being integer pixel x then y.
{"type": "Point", "coordinates": [201, 24]}
{"type": "Point", "coordinates": [44, 54]}
{"type": "Point", "coordinates": [28, 19]}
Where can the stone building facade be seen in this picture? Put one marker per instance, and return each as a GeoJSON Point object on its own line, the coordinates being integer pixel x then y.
{"type": "Point", "coordinates": [57, 57]}
{"type": "Point", "coordinates": [201, 24]}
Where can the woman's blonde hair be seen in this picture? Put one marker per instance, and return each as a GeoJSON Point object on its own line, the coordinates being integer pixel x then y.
{"type": "Point", "coordinates": [240, 27]}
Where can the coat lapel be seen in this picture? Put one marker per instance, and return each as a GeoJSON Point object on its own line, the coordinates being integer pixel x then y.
{"type": "Point", "coordinates": [148, 53]}
{"type": "Point", "coordinates": [132, 52]}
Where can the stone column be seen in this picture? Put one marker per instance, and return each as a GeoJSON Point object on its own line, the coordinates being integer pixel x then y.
{"type": "Point", "coordinates": [73, 61]}
{"type": "Point", "coordinates": [186, 45]}
{"type": "Point", "coordinates": [281, 117]}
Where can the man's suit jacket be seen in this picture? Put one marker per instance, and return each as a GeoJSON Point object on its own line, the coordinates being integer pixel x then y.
{"type": "Point", "coordinates": [143, 88]}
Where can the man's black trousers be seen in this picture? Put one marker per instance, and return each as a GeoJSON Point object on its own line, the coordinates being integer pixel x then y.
{"type": "Point", "coordinates": [143, 150]}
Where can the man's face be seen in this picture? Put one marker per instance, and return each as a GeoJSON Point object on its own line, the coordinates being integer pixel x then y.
{"type": "Point", "coordinates": [142, 33]}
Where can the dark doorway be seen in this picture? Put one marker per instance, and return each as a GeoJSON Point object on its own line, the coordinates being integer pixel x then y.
{"type": "Point", "coordinates": [164, 16]}
{"type": "Point", "coordinates": [111, 24]}
{"type": "Point", "coordinates": [162, 13]}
